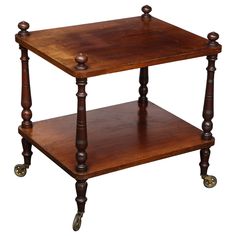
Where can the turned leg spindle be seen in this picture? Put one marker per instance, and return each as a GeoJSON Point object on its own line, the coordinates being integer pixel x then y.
{"type": "Point", "coordinates": [81, 188]}
{"type": "Point", "coordinates": [204, 164]}
{"type": "Point", "coordinates": [81, 140]}
{"type": "Point", "coordinates": [208, 109]}
{"type": "Point", "coordinates": [81, 131]}
{"type": "Point", "coordinates": [143, 89]}
{"type": "Point", "coordinates": [208, 113]}
{"type": "Point", "coordinates": [26, 102]}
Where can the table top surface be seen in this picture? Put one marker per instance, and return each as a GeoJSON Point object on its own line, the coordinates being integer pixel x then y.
{"type": "Point", "coordinates": [116, 45]}
{"type": "Point", "coordinates": [116, 143]}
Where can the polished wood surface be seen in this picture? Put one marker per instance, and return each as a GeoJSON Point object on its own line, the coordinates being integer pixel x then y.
{"type": "Point", "coordinates": [115, 45]}
{"type": "Point", "coordinates": [89, 144]}
{"type": "Point", "coordinates": [119, 136]}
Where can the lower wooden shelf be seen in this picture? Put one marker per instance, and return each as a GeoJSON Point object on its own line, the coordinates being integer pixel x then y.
{"type": "Point", "coordinates": [119, 136]}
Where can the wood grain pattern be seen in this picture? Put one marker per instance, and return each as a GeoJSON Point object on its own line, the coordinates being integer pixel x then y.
{"type": "Point", "coordinates": [116, 45]}
{"type": "Point", "coordinates": [116, 142]}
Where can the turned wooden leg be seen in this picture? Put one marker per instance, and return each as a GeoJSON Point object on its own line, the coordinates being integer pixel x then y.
{"type": "Point", "coordinates": [81, 129]}
{"type": "Point", "coordinates": [81, 141]}
{"type": "Point", "coordinates": [27, 153]}
{"type": "Point", "coordinates": [143, 89]}
{"type": "Point", "coordinates": [81, 187]}
{"type": "Point", "coordinates": [209, 181]}
{"type": "Point", "coordinates": [20, 169]}
{"type": "Point", "coordinates": [208, 113]}
{"type": "Point", "coordinates": [204, 164]}
{"type": "Point", "coordinates": [208, 109]}
{"type": "Point", "coordinates": [26, 102]}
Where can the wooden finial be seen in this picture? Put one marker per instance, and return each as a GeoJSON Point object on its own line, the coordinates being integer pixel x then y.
{"type": "Point", "coordinates": [146, 10]}
{"type": "Point", "coordinates": [23, 26]}
{"type": "Point", "coordinates": [81, 59]}
{"type": "Point", "coordinates": [212, 37]}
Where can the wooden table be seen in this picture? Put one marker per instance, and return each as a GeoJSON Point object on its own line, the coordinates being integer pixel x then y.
{"type": "Point", "coordinates": [89, 144]}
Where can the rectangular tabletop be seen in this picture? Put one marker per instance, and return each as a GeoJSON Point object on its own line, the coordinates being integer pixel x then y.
{"type": "Point", "coordinates": [116, 45]}
{"type": "Point", "coordinates": [120, 136]}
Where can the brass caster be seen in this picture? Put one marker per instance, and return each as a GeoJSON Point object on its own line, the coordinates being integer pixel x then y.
{"type": "Point", "coordinates": [77, 221]}
{"type": "Point", "coordinates": [20, 170]}
{"type": "Point", "coordinates": [209, 181]}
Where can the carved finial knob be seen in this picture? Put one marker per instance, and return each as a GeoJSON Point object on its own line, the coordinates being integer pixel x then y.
{"type": "Point", "coordinates": [212, 37]}
{"type": "Point", "coordinates": [81, 59]}
{"type": "Point", "coordinates": [23, 26]}
{"type": "Point", "coordinates": [146, 10]}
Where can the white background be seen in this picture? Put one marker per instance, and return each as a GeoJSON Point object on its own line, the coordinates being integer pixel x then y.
{"type": "Point", "coordinates": [161, 198]}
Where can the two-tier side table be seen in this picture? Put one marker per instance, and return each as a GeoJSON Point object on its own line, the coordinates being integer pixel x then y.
{"type": "Point", "coordinates": [93, 143]}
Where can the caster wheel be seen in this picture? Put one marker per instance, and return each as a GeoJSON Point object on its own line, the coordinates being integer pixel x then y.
{"type": "Point", "coordinates": [77, 221]}
{"type": "Point", "coordinates": [209, 181]}
{"type": "Point", "coordinates": [20, 170]}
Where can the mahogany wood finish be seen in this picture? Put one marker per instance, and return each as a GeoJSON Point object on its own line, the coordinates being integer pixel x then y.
{"type": "Point", "coordinates": [143, 89]}
{"type": "Point", "coordinates": [123, 135]}
{"type": "Point", "coordinates": [146, 10]}
{"type": "Point", "coordinates": [27, 153]}
{"type": "Point", "coordinates": [81, 59]}
{"type": "Point", "coordinates": [116, 45]}
{"type": "Point", "coordinates": [81, 129]}
{"type": "Point", "coordinates": [26, 101]}
{"type": "Point", "coordinates": [81, 188]}
{"type": "Point", "coordinates": [208, 108]}
{"type": "Point", "coordinates": [204, 164]}
{"type": "Point", "coordinates": [116, 142]}
{"type": "Point", "coordinates": [23, 26]}
{"type": "Point", "coordinates": [25, 91]}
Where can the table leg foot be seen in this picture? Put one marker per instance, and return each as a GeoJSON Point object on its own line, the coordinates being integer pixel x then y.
{"type": "Point", "coordinates": [21, 169]}
{"type": "Point", "coordinates": [209, 181]}
{"type": "Point", "coordinates": [77, 221]}
{"type": "Point", "coordinates": [81, 188]}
